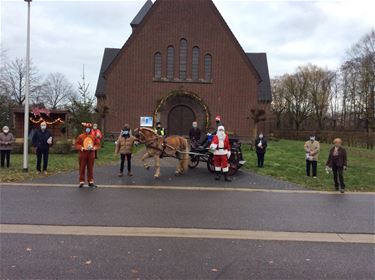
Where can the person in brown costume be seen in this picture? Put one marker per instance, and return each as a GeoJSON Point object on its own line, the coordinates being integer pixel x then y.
{"type": "Point", "coordinates": [86, 146]}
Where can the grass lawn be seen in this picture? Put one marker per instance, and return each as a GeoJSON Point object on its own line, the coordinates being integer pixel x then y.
{"type": "Point", "coordinates": [285, 160]}
{"type": "Point", "coordinates": [56, 164]}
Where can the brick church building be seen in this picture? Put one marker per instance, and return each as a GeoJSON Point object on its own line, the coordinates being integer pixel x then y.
{"type": "Point", "coordinates": [182, 63]}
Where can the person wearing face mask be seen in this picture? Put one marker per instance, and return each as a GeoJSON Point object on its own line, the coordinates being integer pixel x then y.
{"type": "Point", "coordinates": [312, 148]}
{"type": "Point", "coordinates": [159, 130]}
{"type": "Point", "coordinates": [6, 146]}
{"type": "Point", "coordinates": [195, 135]}
{"type": "Point", "coordinates": [42, 140]}
{"type": "Point", "coordinates": [97, 134]}
{"type": "Point", "coordinates": [337, 162]}
{"type": "Point", "coordinates": [220, 146]}
{"type": "Point", "coordinates": [86, 145]}
{"type": "Point", "coordinates": [124, 147]}
{"type": "Point", "coordinates": [260, 148]}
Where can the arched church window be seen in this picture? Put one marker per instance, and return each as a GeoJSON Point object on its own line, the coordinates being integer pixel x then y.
{"type": "Point", "coordinates": [183, 59]}
{"type": "Point", "coordinates": [208, 67]}
{"type": "Point", "coordinates": [170, 62]}
{"type": "Point", "coordinates": [157, 65]}
{"type": "Point", "coordinates": [195, 64]}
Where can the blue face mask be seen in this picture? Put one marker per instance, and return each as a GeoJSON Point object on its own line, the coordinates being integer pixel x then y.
{"type": "Point", "coordinates": [88, 130]}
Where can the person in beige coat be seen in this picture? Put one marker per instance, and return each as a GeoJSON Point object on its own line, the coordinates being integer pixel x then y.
{"type": "Point", "coordinates": [124, 147]}
{"type": "Point", "coordinates": [6, 146]}
{"type": "Point", "coordinates": [312, 148]}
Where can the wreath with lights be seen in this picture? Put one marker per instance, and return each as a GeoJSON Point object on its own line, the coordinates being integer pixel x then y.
{"type": "Point", "coordinates": [188, 94]}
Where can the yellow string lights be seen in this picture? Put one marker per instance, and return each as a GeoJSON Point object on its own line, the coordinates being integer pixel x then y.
{"type": "Point", "coordinates": [40, 120]}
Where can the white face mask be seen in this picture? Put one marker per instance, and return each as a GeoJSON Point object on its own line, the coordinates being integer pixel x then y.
{"type": "Point", "coordinates": [5, 131]}
{"type": "Point", "coordinates": [43, 127]}
{"type": "Point", "coordinates": [195, 125]}
{"type": "Point", "coordinates": [95, 127]}
{"type": "Point", "coordinates": [260, 136]}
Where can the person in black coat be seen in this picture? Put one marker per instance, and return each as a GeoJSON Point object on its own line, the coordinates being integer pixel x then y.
{"type": "Point", "coordinates": [337, 162]}
{"type": "Point", "coordinates": [42, 140]}
{"type": "Point", "coordinates": [195, 135]}
{"type": "Point", "coordinates": [260, 148]}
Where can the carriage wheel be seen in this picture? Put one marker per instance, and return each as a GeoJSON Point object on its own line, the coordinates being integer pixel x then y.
{"type": "Point", "coordinates": [210, 163]}
{"type": "Point", "coordinates": [233, 163]}
{"type": "Point", "coordinates": [194, 161]}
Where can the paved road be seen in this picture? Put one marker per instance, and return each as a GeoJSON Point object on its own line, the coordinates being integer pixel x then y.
{"type": "Point", "coordinates": [188, 209]}
{"type": "Point", "coordinates": [200, 176]}
{"type": "Point", "coordinates": [67, 257]}
{"type": "Point", "coordinates": [63, 256]}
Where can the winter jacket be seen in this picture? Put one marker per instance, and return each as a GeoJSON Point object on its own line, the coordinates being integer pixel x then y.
{"type": "Point", "coordinates": [195, 134]}
{"type": "Point", "coordinates": [6, 141]}
{"type": "Point", "coordinates": [339, 160]}
{"type": "Point", "coordinates": [40, 139]}
{"type": "Point", "coordinates": [260, 150]}
{"type": "Point", "coordinates": [312, 150]}
{"type": "Point", "coordinates": [97, 134]}
{"type": "Point", "coordinates": [125, 145]}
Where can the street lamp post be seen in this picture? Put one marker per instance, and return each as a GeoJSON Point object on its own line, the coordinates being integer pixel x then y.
{"type": "Point", "coordinates": [27, 91]}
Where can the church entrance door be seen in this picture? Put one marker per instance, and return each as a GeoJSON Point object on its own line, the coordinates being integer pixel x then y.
{"type": "Point", "coordinates": [180, 118]}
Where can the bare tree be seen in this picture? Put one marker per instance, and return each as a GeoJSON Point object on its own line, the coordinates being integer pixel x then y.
{"type": "Point", "coordinates": [57, 90]}
{"type": "Point", "coordinates": [278, 105]}
{"type": "Point", "coordinates": [14, 80]}
{"type": "Point", "coordinates": [297, 98]}
{"type": "Point", "coordinates": [319, 90]}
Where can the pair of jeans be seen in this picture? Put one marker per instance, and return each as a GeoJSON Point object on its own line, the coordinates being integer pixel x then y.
{"type": "Point", "coordinates": [260, 159]}
{"type": "Point", "coordinates": [129, 159]}
{"type": "Point", "coordinates": [39, 154]}
{"type": "Point", "coordinates": [314, 165]}
{"type": "Point", "coordinates": [5, 157]}
{"type": "Point", "coordinates": [338, 177]}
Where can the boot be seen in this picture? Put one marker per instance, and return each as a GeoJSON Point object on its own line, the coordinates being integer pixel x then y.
{"type": "Point", "coordinates": [227, 179]}
{"type": "Point", "coordinates": [80, 185]}
{"type": "Point", "coordinates": [92, 185]}
{"type": "Point", "coordinates": [218, 175]}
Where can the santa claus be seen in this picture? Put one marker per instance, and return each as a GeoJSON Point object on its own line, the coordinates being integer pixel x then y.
{"type": "Point", "coordinates": [221, 148]}
{"type": "Point", "coordinates": [87, 144]}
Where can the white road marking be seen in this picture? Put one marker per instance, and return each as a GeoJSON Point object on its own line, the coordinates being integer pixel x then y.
{"type": "Point", "coordinates": [184, 188]}
{"type": "Point", "coordinates": [187, 233]}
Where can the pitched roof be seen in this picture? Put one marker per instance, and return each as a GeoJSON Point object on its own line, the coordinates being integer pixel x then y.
{"type": "Point", "coordinates": [108, 56]}
{"type": "Point", "coordinates": [259, 60]}
{"type": "Point", "coordinates": [141, 14]}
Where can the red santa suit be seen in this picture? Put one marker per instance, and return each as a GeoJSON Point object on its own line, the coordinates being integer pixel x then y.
{"type": "Point", "coordinates": [221, 147]}
{"type": "Point", "coordinates": [97, 135]}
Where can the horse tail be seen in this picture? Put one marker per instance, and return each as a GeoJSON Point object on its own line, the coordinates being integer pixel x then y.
{"type": "Point", "coordinates": [186, 156]}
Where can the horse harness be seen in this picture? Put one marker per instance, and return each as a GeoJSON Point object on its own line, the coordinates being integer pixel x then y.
{"type": "Point", "coordinates": [164, 145]}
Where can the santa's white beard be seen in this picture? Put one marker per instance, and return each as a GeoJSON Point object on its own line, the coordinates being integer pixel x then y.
{"type": "Point", "coordinates": [221, 136]}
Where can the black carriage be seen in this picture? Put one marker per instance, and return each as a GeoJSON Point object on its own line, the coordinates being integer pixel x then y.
{"type": "Point", "coordinates": [203, 154]}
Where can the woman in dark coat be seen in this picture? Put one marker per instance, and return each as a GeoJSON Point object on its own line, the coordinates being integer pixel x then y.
{"type": "Point", "coordinates": [260, 148]}
{"type": "Point", "coordinates": [337, 161]}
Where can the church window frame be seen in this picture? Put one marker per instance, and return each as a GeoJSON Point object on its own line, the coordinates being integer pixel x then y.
{"type": "Point", "coordinates": [157, 65]}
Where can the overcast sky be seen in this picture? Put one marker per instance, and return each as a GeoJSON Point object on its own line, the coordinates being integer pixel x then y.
{"type": "Point", "coordinates": [67, 34]}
